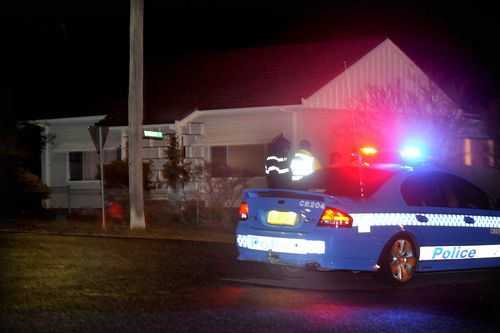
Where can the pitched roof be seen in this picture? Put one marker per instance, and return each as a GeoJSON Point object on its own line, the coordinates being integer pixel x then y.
{"type": "Point", "coordinates": [252, 77]}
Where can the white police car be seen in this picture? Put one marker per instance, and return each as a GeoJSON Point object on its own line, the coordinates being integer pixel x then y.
{"type": "Point", "coordinates": [390, 219]}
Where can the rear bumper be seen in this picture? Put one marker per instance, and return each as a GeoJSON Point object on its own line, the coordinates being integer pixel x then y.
{"type": "Point", "coordinates": [323, 262]}
{"type": "Point", "coordinates": [297, 250]}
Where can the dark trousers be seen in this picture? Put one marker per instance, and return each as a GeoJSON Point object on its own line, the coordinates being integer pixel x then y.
{"type": "Point", "coordinates": [276, 180]}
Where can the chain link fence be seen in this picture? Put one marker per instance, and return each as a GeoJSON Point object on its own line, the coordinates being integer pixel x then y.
{"type": "Point", "coordinates": [190, 208]}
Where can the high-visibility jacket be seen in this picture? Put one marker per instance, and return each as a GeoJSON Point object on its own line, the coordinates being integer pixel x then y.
{"type": "Point", "coordinates": [303, 163]}
{"type": "Point", "coordinates": [277, 171]}
{"type": "Point", "coordinates": [278, 164]}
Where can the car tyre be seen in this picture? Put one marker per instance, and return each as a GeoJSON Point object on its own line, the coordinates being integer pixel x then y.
{"type": "Point", "coordinates": [398, 261]}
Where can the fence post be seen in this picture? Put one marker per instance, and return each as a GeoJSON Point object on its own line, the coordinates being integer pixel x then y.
{"type": "Point", "coordinates": [69, 200]}
{"type": "Point", "coordinates": [197, 211]}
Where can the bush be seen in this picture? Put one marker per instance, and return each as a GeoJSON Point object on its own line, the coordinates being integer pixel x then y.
{"type": "Point", "coordinates": [116, 174]}
{"type": "Point", "coordinates": [223, 184]}
{"type": "Point", "coordinates": [30, 191]}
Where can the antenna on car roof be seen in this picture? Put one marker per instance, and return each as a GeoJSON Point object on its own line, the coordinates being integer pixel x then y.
{"type": "Point", "coordinates": [355, 133]}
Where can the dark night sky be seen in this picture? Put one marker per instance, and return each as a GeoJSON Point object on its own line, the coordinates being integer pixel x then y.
{"type": "Point", "coordinates": [66, 58]}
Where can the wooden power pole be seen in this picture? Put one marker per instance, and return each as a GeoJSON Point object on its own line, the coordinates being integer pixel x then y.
{"type": "Point", "coordinates": [135, 115]}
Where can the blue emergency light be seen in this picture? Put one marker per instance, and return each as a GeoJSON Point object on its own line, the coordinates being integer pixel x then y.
{"type": "Point", "coordinates": [412, 153]}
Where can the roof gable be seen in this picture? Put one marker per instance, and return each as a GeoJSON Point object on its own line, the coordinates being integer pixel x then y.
{"type": "Point", "coordinates": [277, 75]}
{"type": "Point", "coordinates": [384, 66]}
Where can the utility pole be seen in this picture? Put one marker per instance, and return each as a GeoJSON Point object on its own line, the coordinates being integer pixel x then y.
{"type": "Point", "coordinates": [135, 115]}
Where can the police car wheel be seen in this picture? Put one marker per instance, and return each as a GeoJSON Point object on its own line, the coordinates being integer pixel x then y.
{"type": "Point", "coordinates": [399, 261]}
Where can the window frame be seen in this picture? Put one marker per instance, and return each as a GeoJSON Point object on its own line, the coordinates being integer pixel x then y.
{"type": "Point", "coordinates": [444, 184]}
{"type": "Point", "coordinates": [108, 153]}
{"type": "Point", "coordinates": [229, 148]}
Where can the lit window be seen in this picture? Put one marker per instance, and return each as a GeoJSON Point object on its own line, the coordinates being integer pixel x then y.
{"type": "Point", "coordinates": [479, 152]}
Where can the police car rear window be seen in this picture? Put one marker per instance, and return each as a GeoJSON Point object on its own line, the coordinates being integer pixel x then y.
{"type": "Point", "coordinates": [345, 181]}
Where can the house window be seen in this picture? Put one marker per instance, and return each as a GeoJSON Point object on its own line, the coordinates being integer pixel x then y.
{"type": "Point", "coordinates": [83, 165]}
{"type": "Point", "coordinates": [479, 152]}
{"type": "Point", "coordinates": [250, 158]}
{"type": "Point", "coordinates": [218, 156]}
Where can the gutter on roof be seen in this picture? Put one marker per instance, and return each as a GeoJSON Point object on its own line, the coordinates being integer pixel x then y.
{"type": "Point", "coordinates": [62, 120]}
{"type": "Point", "coordinates": [193, 115]}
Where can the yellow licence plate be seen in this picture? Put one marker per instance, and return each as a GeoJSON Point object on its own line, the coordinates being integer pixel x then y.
{"type": "Point", "coordinates": [281, 218]}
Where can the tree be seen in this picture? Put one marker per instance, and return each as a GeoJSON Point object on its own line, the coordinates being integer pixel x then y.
{"type": "Point", "coordinates": [30, 190]}
{"type": "Point", "coordinates": [393, 113]}
{"type": "Point", "coordinates": [21, 144]}
{"type": "Point", "coordinates": [176, 169]}
{"type": "Point", "coordinates": [116, 174]}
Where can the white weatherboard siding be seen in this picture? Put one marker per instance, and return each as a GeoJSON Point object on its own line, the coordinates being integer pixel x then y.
{"type": "Point", "coordinates": [58, 169]}
{"type": "Point", "coordinates": [72, 135]}
{"type": "Point", "coordinates": [154, 150]}
{"type": "Point", "coordinates": [382, 67]}
{"type": "Point", "coordinates": [327, 120]}
{"type": "Point", "coordinates": [244, 126]}
{"type": "Point", "coordinates": [330, 135]}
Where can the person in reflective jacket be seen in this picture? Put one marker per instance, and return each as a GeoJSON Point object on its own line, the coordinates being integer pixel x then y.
{"type": "Point", "coordinates": [277, 167]}
{"type": "Point", "coordinates": [303, 162]}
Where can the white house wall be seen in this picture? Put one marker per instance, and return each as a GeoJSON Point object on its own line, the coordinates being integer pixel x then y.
{"type": "Point", "coordinates": [383, 66]}
{"type": "Point", "coordinates": [153, 149]}
{"type": "Point", "coordinates": [71, 134]}
{"type": "Point", "coordinates": [245, 126]}
{"type": "Point", "coordinates": [328, 131]}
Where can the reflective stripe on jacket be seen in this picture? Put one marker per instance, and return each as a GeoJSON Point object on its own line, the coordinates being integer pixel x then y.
{"type": "Point", "coordinates": [277, 164]}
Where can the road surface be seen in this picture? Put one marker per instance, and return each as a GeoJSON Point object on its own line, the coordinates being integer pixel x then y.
{"type": "Point", "coordinates": [62, 283]}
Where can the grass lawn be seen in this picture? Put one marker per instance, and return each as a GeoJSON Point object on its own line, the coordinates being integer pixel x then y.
{"type": "Point", "coordinates": [92, 225]}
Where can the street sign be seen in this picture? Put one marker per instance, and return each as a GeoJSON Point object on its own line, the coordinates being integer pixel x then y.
{"type": "Point", "coordinates": [153, 134]}
{"type": "Point", "coordinates": [94, 134]}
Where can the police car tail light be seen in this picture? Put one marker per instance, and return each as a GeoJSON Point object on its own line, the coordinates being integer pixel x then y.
{"type": "Point", "coordinates": [333, 217]}
{"type": "Point", "coordinates": [243, 211]}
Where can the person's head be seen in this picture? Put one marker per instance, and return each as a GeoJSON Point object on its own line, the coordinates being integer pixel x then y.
{"type": "Point", "coordinates": [280, 143]}
{"type": "Point", "coordinates": [304, 144]}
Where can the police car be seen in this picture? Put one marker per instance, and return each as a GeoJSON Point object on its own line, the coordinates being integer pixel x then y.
{"type": "Point", "coordinates": [390, 219]}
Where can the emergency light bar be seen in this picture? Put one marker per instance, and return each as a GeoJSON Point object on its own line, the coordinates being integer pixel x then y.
{"type": "Point", "coordinates": [412, 153]}
{"type": "Point", "coordinates": [367, 150]}
{"type": "Point", "coordinates": [409, 154]}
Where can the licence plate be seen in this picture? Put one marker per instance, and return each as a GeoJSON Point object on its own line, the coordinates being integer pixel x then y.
{"type": "Point", "coordinates": [281, 218]}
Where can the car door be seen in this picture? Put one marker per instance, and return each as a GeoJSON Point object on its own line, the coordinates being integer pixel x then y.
{"type": "Point", "coordinates": [434, 219]}
{"type": "Point", "coordinates": [439, 221]}
{"type": "Point", "coordinates": [479, 222]}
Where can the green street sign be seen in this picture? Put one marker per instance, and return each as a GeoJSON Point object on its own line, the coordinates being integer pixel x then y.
{"type": "Point", "coordinates": [153, 134]}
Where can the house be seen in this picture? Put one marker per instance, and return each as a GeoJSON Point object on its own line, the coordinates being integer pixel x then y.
{"type": "Point", "coordinates": [225, 106]}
